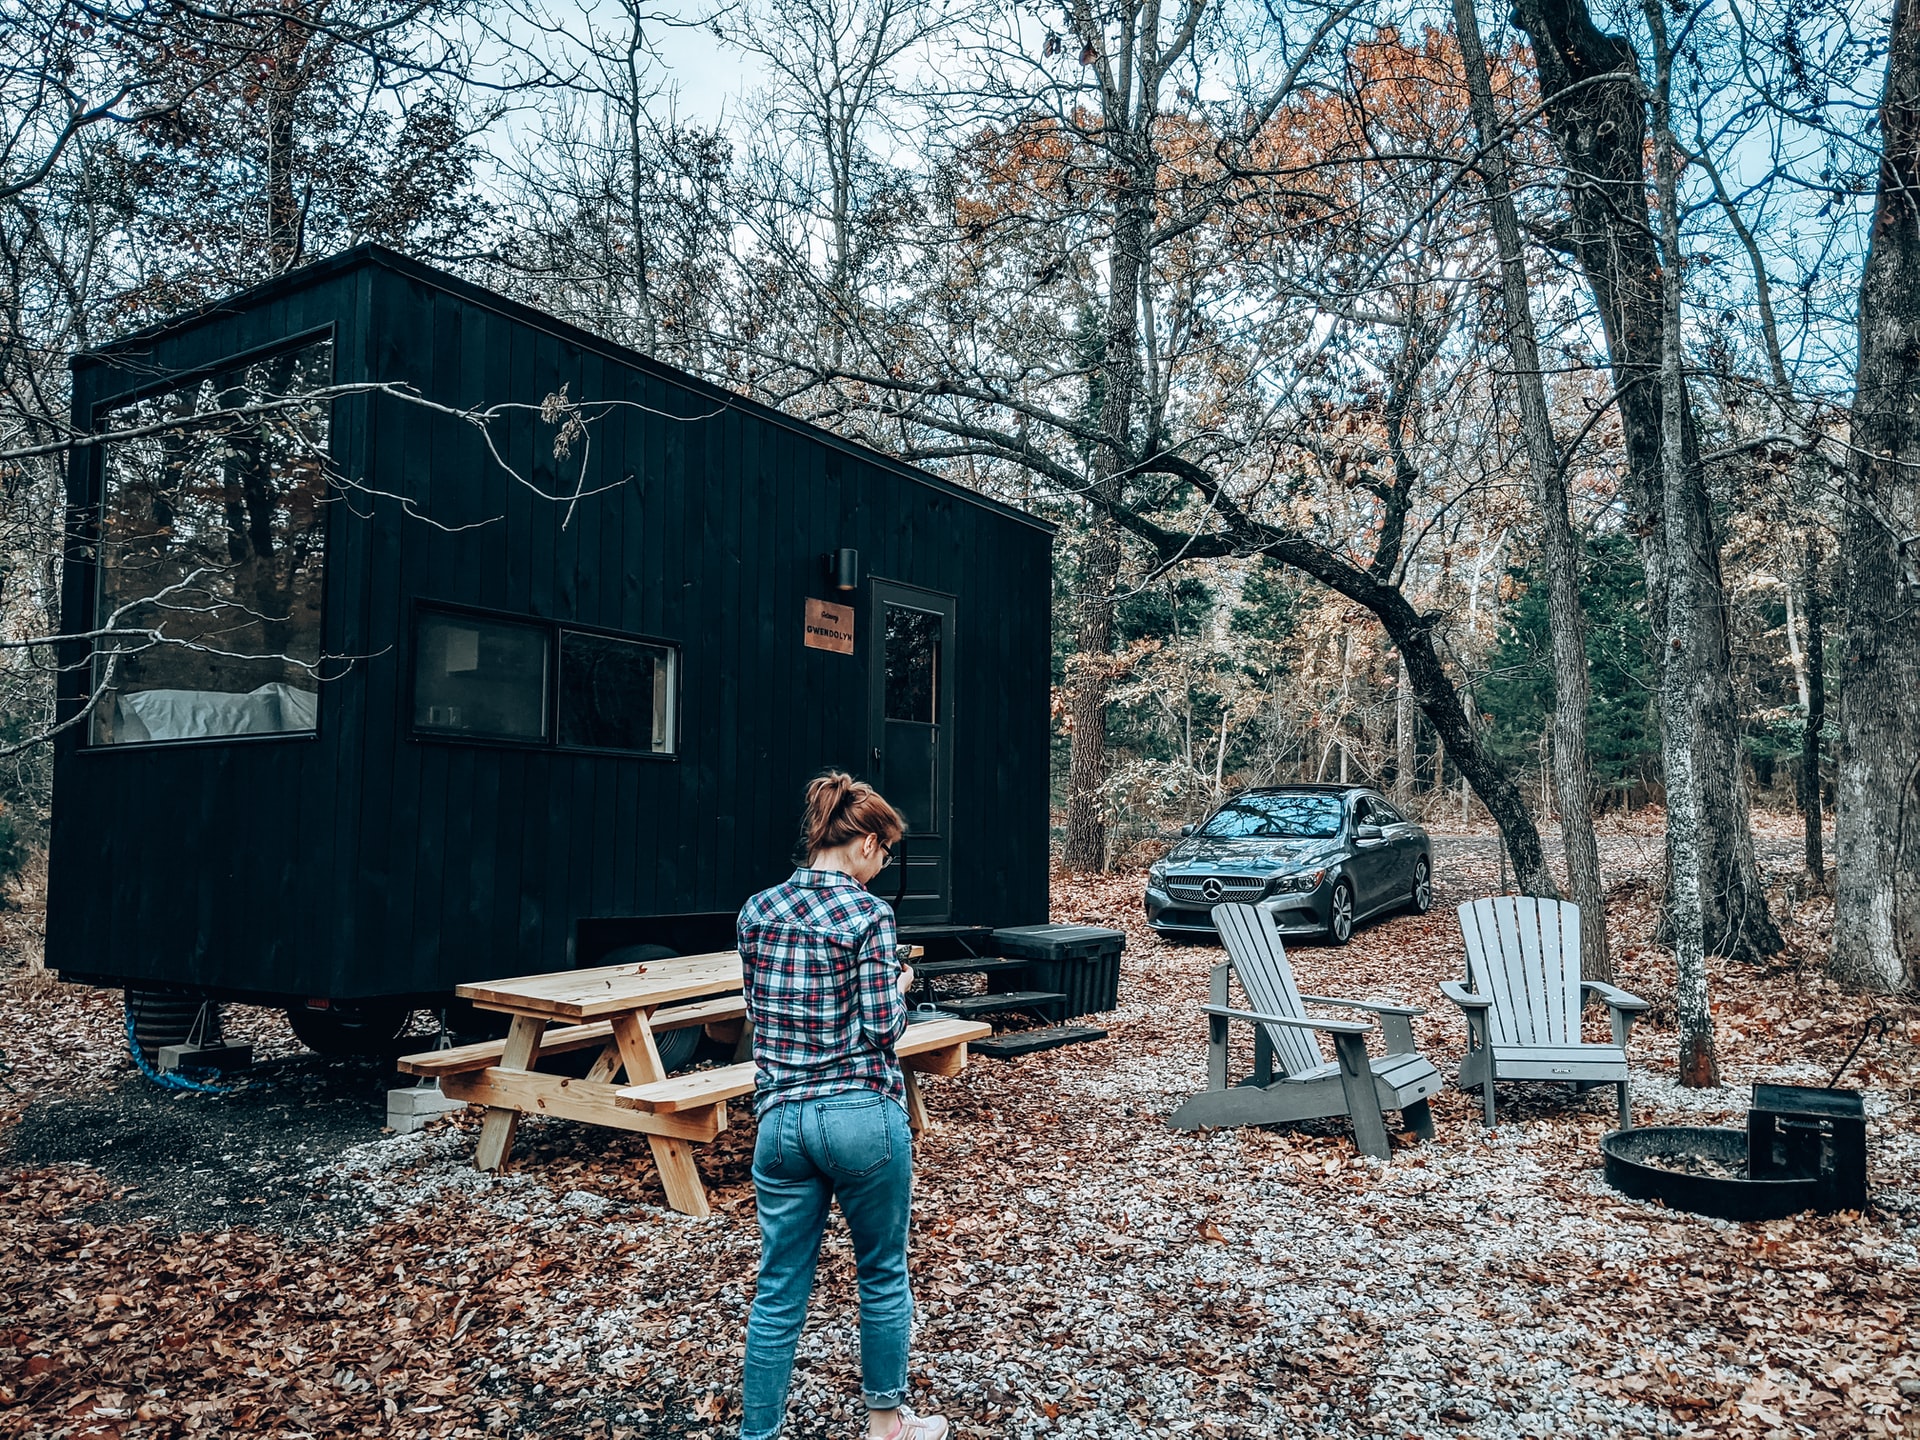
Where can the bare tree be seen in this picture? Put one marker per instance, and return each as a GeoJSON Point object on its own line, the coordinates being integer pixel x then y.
{"type": "Point", "coordinates": [1560, 551]}
{"type": "Point", "coordinates": [1876, 939]}
{"type": "Point", "coordinates": [1813, 607]}
{"type": "Point", "coordinates": [69, 68]}
{"type": "Point", "coordinates": [1595, 103]}
{"type": "Point", "coordinates": [817, 170]}
{"type": "Point", "coordinates": [1683, 695]}
{"type": "Point", "coordinates": [618, 218]}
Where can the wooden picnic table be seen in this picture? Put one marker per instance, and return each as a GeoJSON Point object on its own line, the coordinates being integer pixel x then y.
{"type": "Point", "coordinates": [619, 1009]}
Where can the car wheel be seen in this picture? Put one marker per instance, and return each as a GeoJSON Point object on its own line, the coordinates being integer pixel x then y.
{"type": "Point", "coordinates": [1422, 900]}
{"type": "Point", "coordinates": [1340, 913]}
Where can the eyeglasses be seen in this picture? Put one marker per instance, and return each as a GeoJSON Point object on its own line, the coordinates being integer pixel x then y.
{"type": "Point", "coordinates": [886, 850]}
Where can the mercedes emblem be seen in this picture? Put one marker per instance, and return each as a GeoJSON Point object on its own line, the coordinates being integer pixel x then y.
{"type": "Point", "coordinates": [1211, 889]}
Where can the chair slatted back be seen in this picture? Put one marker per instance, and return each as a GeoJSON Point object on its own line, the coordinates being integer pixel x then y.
{"type": "Point", "coordinates": [1260, 960]}
{"type": "Point", "coordinates": [1523, 954]}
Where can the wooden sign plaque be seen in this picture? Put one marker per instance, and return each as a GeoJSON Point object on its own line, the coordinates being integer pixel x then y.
{"type": "Point", "coordinates": [829, 626]}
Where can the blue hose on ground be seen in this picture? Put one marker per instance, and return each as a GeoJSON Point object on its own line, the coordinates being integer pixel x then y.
{"type": "Point", "coordinates": [168, 1079]}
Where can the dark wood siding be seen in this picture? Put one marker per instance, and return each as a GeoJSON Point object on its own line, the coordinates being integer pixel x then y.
{"type": "Point", "coordinates": [367, 861]}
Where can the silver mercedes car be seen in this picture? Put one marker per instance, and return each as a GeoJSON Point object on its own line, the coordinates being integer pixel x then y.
{"type": "Point", "coordinates": [1322, 858]}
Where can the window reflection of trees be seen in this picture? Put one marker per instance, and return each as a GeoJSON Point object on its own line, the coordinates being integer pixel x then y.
{"type": "Point", "coordinates": [615, 694]}
{"type": "Point", "coordinates": [1280, 817]}
{"type": "Point", "coordinates": [213, 541]}
{"type": "Point", "coordinates": [913, 660]}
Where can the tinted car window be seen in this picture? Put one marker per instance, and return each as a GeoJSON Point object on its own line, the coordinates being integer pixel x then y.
{"type": "Point", "coordinates": [1279, 817]}
{"type": "Point", "coordinates": [1385, 814]}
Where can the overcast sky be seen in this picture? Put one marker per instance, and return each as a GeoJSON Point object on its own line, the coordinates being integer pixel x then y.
{"type": "Point", "coordinates": [709, 77]}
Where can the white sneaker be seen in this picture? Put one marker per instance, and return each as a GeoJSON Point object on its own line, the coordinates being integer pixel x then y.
{"type": "Point", "coordinates": [910, 1426]}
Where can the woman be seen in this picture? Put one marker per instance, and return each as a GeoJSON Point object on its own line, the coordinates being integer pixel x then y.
{"type": "Point", "coordinates": [825, 991]}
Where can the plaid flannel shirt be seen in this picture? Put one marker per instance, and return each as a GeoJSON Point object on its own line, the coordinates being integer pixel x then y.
{"type": "Point", "coordinates": [820, 957]}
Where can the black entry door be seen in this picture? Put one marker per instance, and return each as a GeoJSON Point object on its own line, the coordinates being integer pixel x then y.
{"type": "Point", "coordinates": [911, 669]}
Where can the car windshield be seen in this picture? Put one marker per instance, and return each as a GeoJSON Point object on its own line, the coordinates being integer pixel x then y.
{"type": "Point", "coordinates": [1276, 817]}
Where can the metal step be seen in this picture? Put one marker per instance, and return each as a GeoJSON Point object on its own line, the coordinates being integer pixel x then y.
{"type": "Point", "coordinates": [972, 965]}
{"type": "Point", "coordinates": [968, 1006]}
{"type": "Point", "coordinates": [1025, 1042]}
{"type": "Point", "coordinates": [981, 935]}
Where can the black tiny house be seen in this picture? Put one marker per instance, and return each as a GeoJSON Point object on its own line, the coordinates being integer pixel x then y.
{"type": "Point", "coordinates": [414, 723]}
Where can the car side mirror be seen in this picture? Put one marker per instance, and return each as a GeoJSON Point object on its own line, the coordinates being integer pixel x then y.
{"type": "Point", "coordinates": [1186, 830]}
{"type": "Point", "coordinates": [1366, 832]}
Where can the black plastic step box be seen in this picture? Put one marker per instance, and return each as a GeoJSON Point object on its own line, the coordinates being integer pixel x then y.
{"type": "Point", "coordinates": [1081, 962]}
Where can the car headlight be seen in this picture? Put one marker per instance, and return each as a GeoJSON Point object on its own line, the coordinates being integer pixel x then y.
{"type": "Point", "coordinates": [1157, 873]}
{"type": "Point", "coordinates": [1297, 883]}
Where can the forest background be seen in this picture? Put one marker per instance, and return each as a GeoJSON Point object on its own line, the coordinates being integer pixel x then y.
{"type": "Point", "coordinates": [1514, 411]}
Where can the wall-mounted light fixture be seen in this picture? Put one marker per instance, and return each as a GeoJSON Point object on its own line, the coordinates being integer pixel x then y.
{"type": "Point", "coordinates": [843, 569]}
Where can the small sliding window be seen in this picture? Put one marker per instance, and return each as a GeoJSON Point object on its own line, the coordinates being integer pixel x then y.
{"type": "Point", "coordinates": [481, 678]}
{"type": "Point", "coordinates": [531, 682]}
{"type": "Point", "coordinates": [616, 694]}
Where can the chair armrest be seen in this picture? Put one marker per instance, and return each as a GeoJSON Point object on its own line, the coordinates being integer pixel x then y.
{"type": "Point", "coordinates": [1377, 1007]}
{"type": "Point", "coordinates": [1457, 992]}
{"type": "Point", "coordinates": [1330, 1027]}
{"type": "Point", "coordinates": [1615, 997]}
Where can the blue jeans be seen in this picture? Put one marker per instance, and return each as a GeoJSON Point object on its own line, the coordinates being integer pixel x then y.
{"type": "Point", "coordinates": [855, 1147]}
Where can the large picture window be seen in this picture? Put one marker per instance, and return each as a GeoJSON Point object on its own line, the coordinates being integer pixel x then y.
{"type": "Point", "coordinates": [484, 677]}
{"type": "Point", "coordinates": [212, 555]}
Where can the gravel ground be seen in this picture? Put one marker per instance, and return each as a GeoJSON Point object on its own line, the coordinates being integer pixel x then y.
{"type": "Point", "coordinates": [194, 1162]}
{"type": "Point", "coordinates": [1080, 1269]}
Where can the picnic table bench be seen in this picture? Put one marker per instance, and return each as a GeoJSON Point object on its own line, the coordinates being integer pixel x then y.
{"type": "Point", "coordinates": [619, 1009]}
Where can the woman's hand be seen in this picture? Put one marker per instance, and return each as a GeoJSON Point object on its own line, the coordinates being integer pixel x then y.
{"type": "Point", "coordinates": [906, 979]}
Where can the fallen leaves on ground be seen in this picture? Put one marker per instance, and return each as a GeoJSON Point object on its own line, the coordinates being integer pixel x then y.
{"type": "Point", "coordinates": [1080, 1269]}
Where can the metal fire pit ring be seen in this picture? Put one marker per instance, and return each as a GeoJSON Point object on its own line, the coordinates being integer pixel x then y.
{"type": "Point", "coordinates": [1627, 1157]}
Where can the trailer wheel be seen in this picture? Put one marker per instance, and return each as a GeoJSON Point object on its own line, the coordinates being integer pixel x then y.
{"type": "Point", "coordinates": [351, 1027]}
{"type": "Point", "coordinates": [677, 1047]}
{"type": "Point", "coordinates": [163, 1017]}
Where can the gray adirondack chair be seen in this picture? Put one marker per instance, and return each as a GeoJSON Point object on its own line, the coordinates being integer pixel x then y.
{"type": "Point", "coordinates": [1307, 1086]}
{"type": "Point", "coordinates": [1522, 999]}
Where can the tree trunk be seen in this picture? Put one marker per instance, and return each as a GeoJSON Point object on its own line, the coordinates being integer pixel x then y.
{"type": "Point", "coordinates": [1346, 681]}
{"type": "Point", "coordinates": [1794, 651]}
{"type": "Point", "coordinates": [1816, 717]}
{"type": "Point", "coordinates": [1682, 692]}
{"type": "Point", "coordinates": [1601, 131]}
{"type": "Point", "coordinates": [1086, 841]}
{"type": "Point", "coordinates": [1876, 936]}
{"type": "Point", "coordinates": [1571, 770]}
{"type": "Point", "coordinates": [284, 83]}
{"type": "Point", "coordinates": [1085, 851]}
{"type": "Point", "coordinates": [1406, 752]}
{"type": "Point", "coordinates": [633, 103]}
